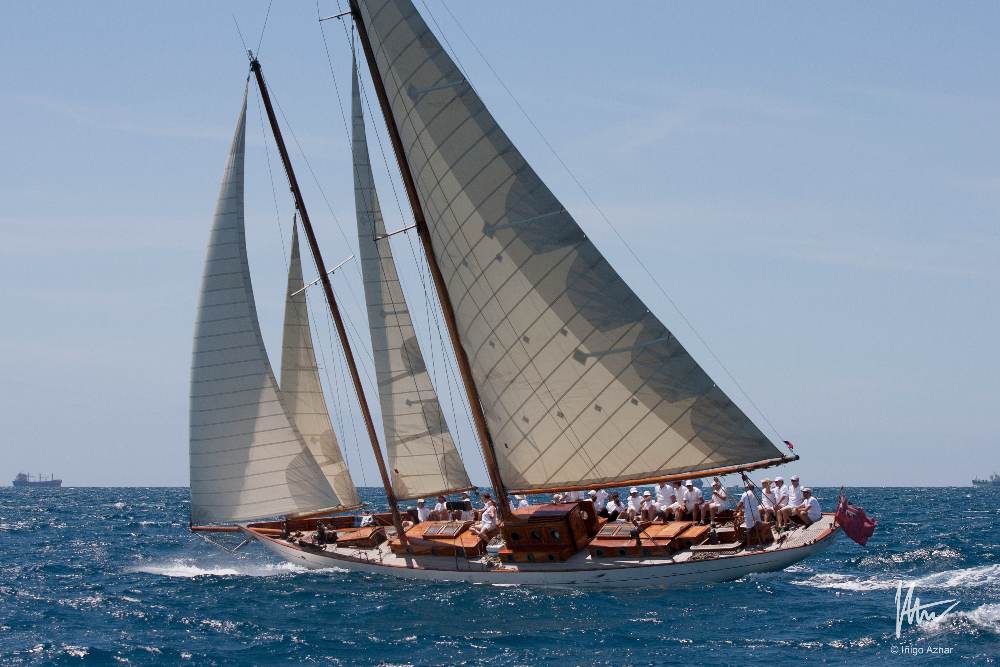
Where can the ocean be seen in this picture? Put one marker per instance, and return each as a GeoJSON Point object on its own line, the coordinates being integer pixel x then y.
{"type": "Point", "coordinates": [112, 576]}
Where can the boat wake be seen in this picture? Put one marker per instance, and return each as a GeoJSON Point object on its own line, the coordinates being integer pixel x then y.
{"type": "Point", "coordinates": [984, 619]}
{"type": "Point", "coordinates": [971, 577]}
{"type": "Point", "coordinates": [186, 569]}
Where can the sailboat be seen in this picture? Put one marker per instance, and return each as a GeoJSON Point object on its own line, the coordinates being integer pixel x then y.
{"type": "Point", "coordinates": [571, 382]}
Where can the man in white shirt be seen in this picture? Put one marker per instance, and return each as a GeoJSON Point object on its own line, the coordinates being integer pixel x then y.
{"type": "Point", "coordinates": [440, 512]}
{"type": "Point", "coordinates": [423, 512]}
{"type": "Point", "coordinates": [648, 505]}
{"type": "Point", "coordinates": [521, 501]}
{"type": "Point", "coordinates": [676, 507]}
{"type": "Point", "coordinates": [751, 513]}
{"type": "Point", "coordinates": [614, 507]}
{"type": "Point", "coordinates": [466, 513]}
{"type": "Point", "coordinates": [600, 500]}
{"type": "Point", "coordinates": [781, 494]}
{"type": "Point", "coordinates": [718, 501]}
{"type": "Point", "coordinates": [794, 493]}
{"type": "Point", "coordinates": [809, 511]}
{"type": "Point", "coordinates": [487, 524]}
{"type": "Point", "coordinates": [633, 506]}
{"type": "Point", "coordinates": [663, 492]}
{"type": "Point", "coordinates": [693, 501]}
{"type": "Point", "coordinates": [768, 500]}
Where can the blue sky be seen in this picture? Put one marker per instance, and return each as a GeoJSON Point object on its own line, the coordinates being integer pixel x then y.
{"type": "Point", "coordinates": [817, 186]}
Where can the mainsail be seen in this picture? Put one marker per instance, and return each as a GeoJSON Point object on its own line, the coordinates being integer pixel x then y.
{"type": "Point", "coordinates": [580, 383]}
{"type": "Point", "coordinates": [301, 388]}
{"type": "Point", "coordinates": [422, 454]}
{"type": "Point", "coordinates": [247, 459]}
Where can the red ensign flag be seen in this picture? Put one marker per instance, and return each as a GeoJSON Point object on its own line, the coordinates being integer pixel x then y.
{"type": "Point", "coordinates": [856, 524]}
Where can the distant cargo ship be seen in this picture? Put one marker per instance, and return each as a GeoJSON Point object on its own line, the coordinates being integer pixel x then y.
{"type": "Point", "coordinates": [994, 480]}
{"type": "Point", "coordinates": [22, 480]}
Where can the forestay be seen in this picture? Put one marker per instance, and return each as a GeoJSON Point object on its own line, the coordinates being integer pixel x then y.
{"type": "Point", "coordinates": [247, 459]}
{"type": "Point", "coordinates": [301, 388]}
{"type": "Point", "coordinates": [422, 454]}
{"type": "Point", "coordinates": [580, 383]}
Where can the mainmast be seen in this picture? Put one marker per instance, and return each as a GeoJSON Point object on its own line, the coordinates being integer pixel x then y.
{"type": "Point", "coordinates": [423, 232]}
{"type": "Point", "coordinates": [331, 301]}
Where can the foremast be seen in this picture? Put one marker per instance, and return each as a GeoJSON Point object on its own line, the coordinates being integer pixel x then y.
{"type": "Point", "coordinates": [330, 298]}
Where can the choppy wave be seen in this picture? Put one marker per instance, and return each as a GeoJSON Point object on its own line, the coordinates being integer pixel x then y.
{"type": "Point", "coordinates": [971, 577]}
{"type": "Point", "coordinates": [939, 552]}
{"type": "Point", "coordinates": [186, 569]}
{"type": "Point", "coordinates": [983, 619]}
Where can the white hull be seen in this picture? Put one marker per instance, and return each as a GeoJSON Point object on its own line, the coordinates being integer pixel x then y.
{"type": "Point", "coordinates": [580, 571]}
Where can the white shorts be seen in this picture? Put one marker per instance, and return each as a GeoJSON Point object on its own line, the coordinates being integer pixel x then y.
{"type": "Point", "coordinates": [717, 506]}
{"type": "Point", "coordinates": [675, 507]}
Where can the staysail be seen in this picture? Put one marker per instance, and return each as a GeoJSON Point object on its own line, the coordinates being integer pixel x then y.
{"type": "Point", "coordinates": [247, 459]}
{"type": "Point", "coordinates": [301, 388]}
{"type": "Point", "coordinates": [580, 383]}
{"type": "Point", "coordinates": [422, 455]}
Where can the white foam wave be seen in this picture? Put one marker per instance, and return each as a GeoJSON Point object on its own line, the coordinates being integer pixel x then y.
{"type": "Point", "coordinates": [984, 619]}
{"type": "Point", "coordinates": [187, 569]}
{"type": "Point", "coordinates": [917, 555]}
{"type": "Point", "coordinates": [970, 577]}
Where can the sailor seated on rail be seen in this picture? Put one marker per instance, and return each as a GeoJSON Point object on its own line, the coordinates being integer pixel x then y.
{"type": "Point", "coordinates": [600, 499]}
{"type": "Point", "coordinates": [808, 511]}
{"type": "Point", "coordinates": [423, 512]}
{"type": "Point", "coordinates": [648, 507]}
{"type": "Point", "coordinates": [794, 495]}
{"type": "Point", "coordinates": [467, 513]}
{"type": "Point", "coordinates": [781, 496]}
{"type": "Point", "coordinates": [676, 497]}
{"type": "Point", "coordinates": [440, 511]}
{"type": "Point", "coordinates": [633, 504]}
{"type": "Point", "coordinates": [718, 502]}
{"type": "Point", "coordinates": [768, 501]}
{"type": "Point", "coordinates": [614, 508]}
{"type": "Point", "coordinates": [694, 501]}
{"type": "Point", "coordinates": [487, 524]}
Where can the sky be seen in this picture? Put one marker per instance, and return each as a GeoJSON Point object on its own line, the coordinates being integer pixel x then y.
{"type": "Point", "coordinates": [816, 186]}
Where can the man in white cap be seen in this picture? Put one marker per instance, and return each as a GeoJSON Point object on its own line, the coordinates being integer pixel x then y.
{"type": "Point", "coordinates": [809, 511]}
{"type": "Point", "coordinates": [781, 495]}
{"type": "Point", "coordinates": [521, 502]}
{"type": "Point", "coordinates": [648, 505]}
{"type": "Point", "coordinates": [768, 500]}
{"type": "Point", "coordinates": [600, 499]}
{"type": "Point", "coordinates": [693, 500]}
{"type": "Point", "coordinates": [423, 512]}
{"type": "Point", "coordinates": [718, 501]}
{"type": "Point", "coordinates": [633, 506]}
{"type": "Point", "coordinates": [467, 513]}
{"type": "Point", "coordinates": [676, 506]}
{"type": "Point", "coordinates": [794, 492]}
{"type": "Point", "coordinates": [440, 512]}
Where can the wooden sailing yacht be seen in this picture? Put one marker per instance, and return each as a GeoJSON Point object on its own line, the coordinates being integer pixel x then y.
{"type": "Point", "coordinates": [572, 383]}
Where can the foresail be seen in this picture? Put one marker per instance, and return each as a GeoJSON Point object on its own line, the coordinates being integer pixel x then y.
{"type": "Point", "coordinates": [301, 388]}
{"type": "Point", "coordinates": [247, 459]}
{"type": "Point", "coordinates": [580, 383]}
{"type": "Point", "coordinates": [422, 454]}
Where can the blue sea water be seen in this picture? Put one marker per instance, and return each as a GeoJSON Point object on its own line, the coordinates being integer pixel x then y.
{"type": "Point", "coordinates": [112, 576]}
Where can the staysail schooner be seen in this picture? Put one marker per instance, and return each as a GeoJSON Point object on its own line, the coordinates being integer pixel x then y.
{"type": "Point", "coordinates": [572, 383]}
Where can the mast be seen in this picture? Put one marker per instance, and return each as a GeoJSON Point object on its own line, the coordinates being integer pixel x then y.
{"type": "Point", "coordinates": [331, 301]}
{"type": "Point", "coordinates": [472, 392]}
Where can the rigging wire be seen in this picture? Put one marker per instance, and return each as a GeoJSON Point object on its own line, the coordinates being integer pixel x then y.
{"type": "Point", "coordinates": [603, 216]}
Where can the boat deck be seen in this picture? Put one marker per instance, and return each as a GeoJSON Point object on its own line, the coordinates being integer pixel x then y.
{"type": "Point", "coordinates": [581, 560]}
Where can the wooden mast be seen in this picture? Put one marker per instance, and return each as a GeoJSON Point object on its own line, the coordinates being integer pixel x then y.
{"type": "Point", "coordinates": [423, 232]}
{"type": "Point", "coordinates": [331, 301]}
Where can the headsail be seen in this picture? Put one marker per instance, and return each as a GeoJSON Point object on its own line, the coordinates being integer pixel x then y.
{"type": "Point", "coordinates": [301, 388]}
{"type": "Point", "coordinates": [422, 454]}
{"type": "Point", "coordinates": [247, 459]}
{"type": "Point", "coordinates": [580, 383]}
